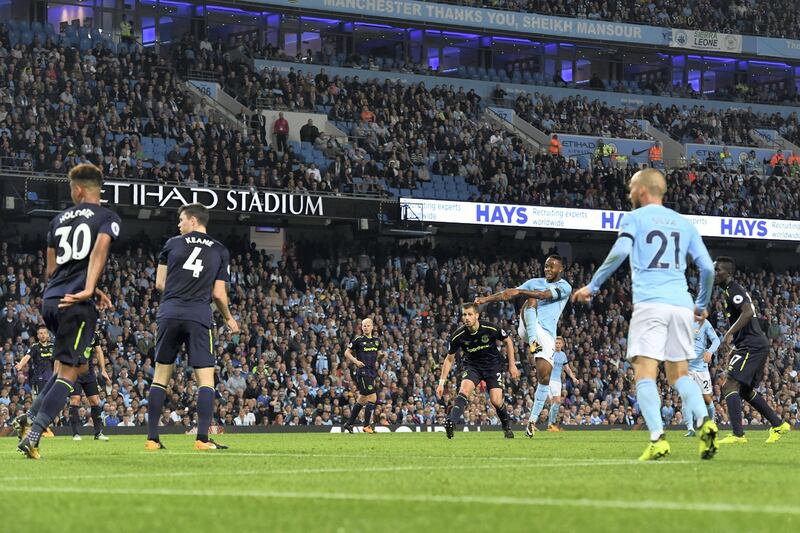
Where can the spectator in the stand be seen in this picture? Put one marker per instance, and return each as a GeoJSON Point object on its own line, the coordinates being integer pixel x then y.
{"type": "Point", "coordinates": [367, 115]}
{"type": "Point", "coordinates": [125, 30]}
{"type": "Point", "coordinates": [655, 155]}
{"type": "Point", "coordinates": [281, 130]}
{"type": "Point", "coordinates": [777, 159]}
{"type": "Point", "coordinates": [555, 145]}
{"type": "Point", "coordinates": [309, 132]}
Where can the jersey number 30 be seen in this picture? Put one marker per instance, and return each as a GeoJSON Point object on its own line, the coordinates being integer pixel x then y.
{"type": "Point", "coordinates": [193, 263]}
{"type": "Point", "coordinates": [75, 248]}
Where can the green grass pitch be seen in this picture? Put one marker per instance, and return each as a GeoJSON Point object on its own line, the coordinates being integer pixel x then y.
{"type": "Point", "coordinates": [572, 481]}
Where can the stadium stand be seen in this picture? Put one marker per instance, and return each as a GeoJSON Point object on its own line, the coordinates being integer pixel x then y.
{"type": "Point", "coordinates": [287, 365]}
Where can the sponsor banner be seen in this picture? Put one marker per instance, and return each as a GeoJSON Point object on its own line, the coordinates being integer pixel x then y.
{"type": "Point", "coordinates": [561, 218]}
{"type": "Point", "coordinates": [486, 19]}
{"type": "Point", "coordinates": [708, 41]}
{"type": "Point", "coordinates": [780, 48]}
{"type": "Point", "coordinates": [240, 201]}
{"type": "Point", "coordinates": [740, 154]}
{"type": "Point", "coordinates": [583, 145]}
{"type": "Point", "coordinates": [208, 88]}
{"type": "Point", "coordinates": [504, 113]}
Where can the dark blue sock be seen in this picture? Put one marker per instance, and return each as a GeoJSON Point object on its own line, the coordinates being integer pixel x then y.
{"type": "Point", "coordinates": [354, 413]}
{"type": "Point", "coordinates": [205, 407]}
{"type": "Point", "coordinates": [761, 405]}
{"type": "Point", "coordinates": [458, 408]}
{"type": "Point", "coordinates": [73, 418]}
{"type": "Point", "coordinates": [155, 404]}
{"type": "Point", "coordinates": [37, 402]}
{"type": "Point", "coordinates": [368, 413]}
{"type": "Point", "coordinates": [97, 420]}
{"type": "Point", "coordinates": [52, 404]}
{"type": "Point", "coordinates": [734, 403]}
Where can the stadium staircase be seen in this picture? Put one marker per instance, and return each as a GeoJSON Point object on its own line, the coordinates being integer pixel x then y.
{"type": "Point", "coordinates": [533, 143]}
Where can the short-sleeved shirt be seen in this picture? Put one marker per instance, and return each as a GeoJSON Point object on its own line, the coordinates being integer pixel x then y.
{"type": "Point", "coordinates": [549, 311]}
{"type": "Point", "coordinates": [705, 339]}
{"type": "Point", "coordinates": [478, 348]}
{"type": "Point", "coordinates": [73, 233]}
{"type": "Point", "coordinates": [735, 300]}
{"type": "Point", "coordinates": [195, 262]}
{"type": "Point", "coordinates": [366, 349]}
{"type": "Point", "coordinates": [559, 360]}
{"type": "Point", "coordinates": [41, 362]}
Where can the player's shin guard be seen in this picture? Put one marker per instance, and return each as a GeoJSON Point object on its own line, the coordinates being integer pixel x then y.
{"type": "Point", "coordinates": [73, 418]}
{"type": "Point", "coordinates": [354, 412]}
{"type": "Point", "coordinates": [52, 404]}
{"type": "Point", "coordinates": [457, 411]}
{"type": "Point", "coordinates": [531, 319]}
{"type": "Point", "coordinates": [502, 414]}
{"type": "Point", "coordinates": [553, 416]}
{"type": "Point", "coordinates": [761, 405]}
{"type": "Point", "coordinates": [692, 399]}
{"type": "Point", "coordinates": [734, 403]}
{"type": "Point", "coordinates": [712, 412]}
{"type": "Point", "coordinates": [97, 420]}
{"type": "Point", "coordinates": [650, 406]}
{"type": "Point", "coordinates": [539, 399]}
{"type": "Point", "coordinates": [205, 408]}
{"type": "Point", "coordinates": [37, 402]}
{"type": "Point", "coordinates": [368, 410]}
{"type": "Point", "coordinates": [155, 404]}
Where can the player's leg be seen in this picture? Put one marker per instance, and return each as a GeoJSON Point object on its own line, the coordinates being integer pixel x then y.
{"type": "Point", "coordinates": [555, 406]}
{"type": "Point", "coordinates": [496, 397]}
{"type": "Point", "coordinates": [544, 367]}
{"type": "Point", "coordinates": [778, 427]}
{"type": "Point", "coordinates": [647, 396]}
{"type": "Point", "coordinates": [712, 411]}
{"type": "Point", "coordinates": [369, 408]}
{"type": "Point", "coordinates": [201, 358]}
{"type": "Point", "coordinates": [361, 401]}
{"type": "Point", "coordinates": [733, 400]}
{"type": "Point", "coordinates": [470, 377]}
{"type": "Point", "coordinates": [93, 397]}
{"type": "Point", "coordinates": [530, 315]}
{"type": "Point", "coordinates": [74, 411]}
{"type": "Point", "coordinates": [76, 326]}
{"type": "Point", "coordinates": [169, 338]}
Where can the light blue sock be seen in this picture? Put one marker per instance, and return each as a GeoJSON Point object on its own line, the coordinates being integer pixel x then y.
{"type": "Point", "coordinates": [687, 417]}
{"type": "Point", "coordinates": [692, 399]}
{"type": "Point", "coordinates": [712, 413]}
{"type": "Point", "coordinates": [531, 318]}
{"type": "Point", "coordinates": [553, 413]}
{"type": "Point", "coordinates": [542, 392]}
{"type": "Point", "coordinates": [650, 406]}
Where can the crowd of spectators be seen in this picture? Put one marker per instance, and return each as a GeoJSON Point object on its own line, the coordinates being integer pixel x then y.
{"type": "Point", "coordinates": [751, 17]}
{"type": "Point", "coordinates": [297, 313]}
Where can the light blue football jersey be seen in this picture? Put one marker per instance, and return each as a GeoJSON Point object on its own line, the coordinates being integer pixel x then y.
{"type": "Point", "coordinates": [549, 311]}
{"type": "Point", "coordinates": [703, 335]}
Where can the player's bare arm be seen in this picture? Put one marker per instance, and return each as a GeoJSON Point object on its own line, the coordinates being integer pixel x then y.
{"type": "Point", "coordinates": [348, 354]}
{"type": "Point", "coordinates": [23, 363]}
{"type": "Point", "coordinates": [512, 360]}
{"type": "Point", "coordinates": [447, 364]}
{"type": "Point", "coordinates": [220, 297]}
{"type": "Point", "coordinates": [743, 320]}
{"type": "Point", "coordinates": [161, 278]}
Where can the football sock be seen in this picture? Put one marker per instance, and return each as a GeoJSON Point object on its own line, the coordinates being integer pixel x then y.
{"type": "Point", "coordinates": [155, 404]}
{"type": "Point", "coordinates": [712, 412]}
{"type": "Point", "coordinates": [97, 420]}
{"type": "Point", "coordinates": [692, 399]}
{"type": "Point", "coordinates": [650, 407]}
{"type": "Point", "coordinates": [368, 410]}
{"type": "Point", "coordinates": [458, 408]}
{"type": "Point", "coordinates": [539, 398]}
{"type": "Point", "coordinates": [51, 406]}
{"type": "Point", "coordinates": [354, 413]}
{"type": "Point", "coordinates": [37, 402]}
{"type": "Point", "coordinates": [531, 319]}
{"type": "Point", "coordinates": [205, 408]}
{"type": "Point", "coordinates": [553, 416]}
{"type": "Point", "coordinates": [734, 403]}
{"type": "Point", "coordinates": [73, 419]}
{"type": "Point", "coordinates": [687, 417]}
{"type": "Point", "coordinates": [761, 405]}
{"type": "Point", "coordinates": [502, 414]}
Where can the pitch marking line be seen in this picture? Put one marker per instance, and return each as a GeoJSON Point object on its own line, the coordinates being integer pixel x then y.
{"type": "Point", "coordinates": [646, 505]}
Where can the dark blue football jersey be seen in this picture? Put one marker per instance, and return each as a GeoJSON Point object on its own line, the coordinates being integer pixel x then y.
{"type": "Point", "coordinates": [195, 261]}
{"type": "Point", "coordinates": [73, 234]}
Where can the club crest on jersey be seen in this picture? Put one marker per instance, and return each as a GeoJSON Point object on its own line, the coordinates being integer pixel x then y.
{"type": "Point", "coordinates": [485, 339]}
{"type": "Point", "coordinates": [738, 299]}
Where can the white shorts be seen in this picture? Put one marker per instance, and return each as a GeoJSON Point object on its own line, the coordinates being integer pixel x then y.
{"type": "Point", "coordinates": [661, 331]}
{"type": "Point", "coordinates": [703, 380]}
{"type": "Point", "coordinates": [555, 389]}
{"type": "Point", "coordinates": [547, 342]}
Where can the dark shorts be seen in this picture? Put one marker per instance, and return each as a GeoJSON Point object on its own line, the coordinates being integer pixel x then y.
{"type": "Point", "coordinates": [365, 384]}
{"type": "Point", "coordinates": [493, 373]}
{"type": "Point", "coordinates": [38, 385]}
{"type": "Point", "coordinates": [73, 328]}
{"type": "Point", "coordinates": [747, 367]}
{"type": "Point", "coordinates": [86, 383]}
{"type": "Point", "coordinates": [173, 333]}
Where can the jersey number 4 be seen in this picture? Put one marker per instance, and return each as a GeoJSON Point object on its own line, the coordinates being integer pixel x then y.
{"type": "Point", "coordinates": [75, 248]}
{"type": "Point", "coordinates": [193, 263]}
